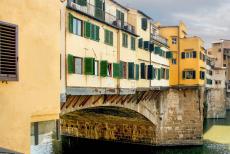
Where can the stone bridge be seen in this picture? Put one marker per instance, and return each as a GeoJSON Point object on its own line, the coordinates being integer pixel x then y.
{"type": "Point", "coordinates": [169, 117]}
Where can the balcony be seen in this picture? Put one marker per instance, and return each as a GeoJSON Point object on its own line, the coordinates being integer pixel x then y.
{"type": "Point", "coordinates": [101, 15]}
{"type": "Point", "coordinates": [159, 38]}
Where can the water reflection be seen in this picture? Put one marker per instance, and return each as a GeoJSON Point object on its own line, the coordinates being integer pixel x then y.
{"type": "Point", "coordinates": [216, 135]}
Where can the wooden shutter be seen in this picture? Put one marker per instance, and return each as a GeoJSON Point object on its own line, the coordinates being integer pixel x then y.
{"type": "Point", "coordinates": [82, 2]}
{"type": "Point", "coordinates": [140, 43]}
{"type": "Point", "coordinates": [121, 69]}
{"type": "Point", "coordinates": [133, 43]}
{"type": "Point", "coordinates": [92, 32]}
{"type": "Point", "coordinates": [70, 64]}
{"type": "Point", "coordinates": [169, 55]}
{"type": "Point", "coordinates": [151, 47]}
{"type": "Point", "coordinates": [87, 29]}
{"type": "Point", "coordinates": [137, 72]}
{"type": "Point", "coordinates": [70, 23]}
{"type": "Point", "coordinates": [159, 74]}
{"type": "Point", "coordinates": [89, 66]}
{"type": "Point", "coordinates": [150, 72]}
{"type": "Point", "coordinates": [167, 74]}
{"type": "Point", "coordinates": [8, 52]}
{"type": "Point", "coordinates": [116, 70]}
{"type": "Point", "coordinates": [111, 38]}
{"type": "Point", "coordinates": [142, 70]}
{"type": "Point", "coordinates": [157, 50]}
{"type": "Point", "coordinates": [104, 68]}
{"type": "Point", "coordinates": [97, 31]}
{"type": "Point", "coordinates": [146, 45]}
{"type": "Point", "coordinates": [162, 73]}
{"type": "Point", "coordinates": [99, 12]}
{"type": "Point", "coordinates": [144, 23]}
{"type": "Point", "coordinates": [131, 70]}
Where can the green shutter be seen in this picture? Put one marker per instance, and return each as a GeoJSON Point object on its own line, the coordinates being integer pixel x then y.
{"type": "Point", "coordinates": [82, 2]}
{"type": "Point", "coordinates": [157, 50]}
{"type": "Point", "coordinates": [142, 70]}
{"type": "Point", "coordinates": [150, 72]}
{"type": "Point", "coordinates": [140, 43]}
{"type": "Point", "coordinates": [89, 65]}
{"type": "Point", "coordinates": [70, 64]}
{"type": "Point", "coordinates": [133, 43]}
{"type": "Point", "coordinates": [144, 23]}
{"type": "Point", "coordinates": [167, 74]}
{"type": "Point", "coordinates": [162, 73]}
{"type": "Point", "coordinates": [111, 38]}
{"type": "Point", "coordinates": [99, 12]}
{"type": "Point", "coordinates": [151, 47]}
{"type": "Point", "coordinates": [92, 32]}
{"type": "Point", "coordinates": [137, 71]}
{"type": "Point", "coordinates": [169, 55]}
{"type": "Point", "coordinates": [159, 74]}
{"type": "Point", "coordinates": [70, 23]}
{"type": "Point", "coordinates": [161, 52]}
{"type": "Point", "coordinates": [124, 40]}
{"type": "Point", "coordinates": [131, 70]}
{"type": "Point", "coordinates": [116, 70]}
{"type": "Point", "coordinates": [87, 29]}
{"type": "Point", "coordinates": [97, 30]}
{"type": "Point", "coordinates": [121, 69]}
{"type": "Point", "coordinates": [104, 68]}
{"type": "Point", "coordinates": [146, 45]}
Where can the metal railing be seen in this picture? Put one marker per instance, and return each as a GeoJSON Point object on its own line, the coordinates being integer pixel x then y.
{"type": "Point", "coordinates": [159, 39]}
{"type": "Point", "coordinates": [101, 15]}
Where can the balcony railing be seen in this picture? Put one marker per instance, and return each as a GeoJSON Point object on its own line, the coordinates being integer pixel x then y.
{"type": "Point", "coordinates": [159, 39]}
{"type": "Point", "coordinates": [101, 15]}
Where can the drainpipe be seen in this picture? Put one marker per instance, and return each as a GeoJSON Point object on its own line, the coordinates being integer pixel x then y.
{"type": "Point", "coordinates": [118, 59]}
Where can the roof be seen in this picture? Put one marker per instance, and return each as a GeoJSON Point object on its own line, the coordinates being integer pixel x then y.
{"type": "Point", "coordinates": [120, 5]}
{"type": "Point", "coordinates": [144, 14]}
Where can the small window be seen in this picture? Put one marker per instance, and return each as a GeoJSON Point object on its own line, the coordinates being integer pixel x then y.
{"type": "Point", "coordinates": [202, 75]}
{"type": "Point", "coordinates": [225, 65]}
{"type": "Point", "coordinates": [225, 57]}
{"type": "Point", "coordinates": [108, 37]}
{"type": "Point", "coordinates": [96, 67]}
{"type": "Point", "coordinates": [109, 70]}
{"type": "Point", "coordinates": [144, 23]}
{"type": "Point", "coordinates": [8, 52]}
{"type": "Point", "coordinates": [174, 61]}
{"type": "Point", "coordinates": [78, 65]}
{"type": "Point", "coordinates": [174, 40]}
{"type": "Point", "coordinates": [189, 75]}
{"type": "Point", "coordinates": [125, 40]}
{"type": "Point", "coordinates": [187, 55]}
{"type": "Point", "coordinates": [77, 27]}
{"type": "Point", "coordinates": [133, 43]}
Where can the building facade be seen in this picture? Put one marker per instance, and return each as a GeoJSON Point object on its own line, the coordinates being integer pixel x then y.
{"type": "Point", "coordinates": [188, 63]}
{"type": "Point", "coordinates": [29, 72]}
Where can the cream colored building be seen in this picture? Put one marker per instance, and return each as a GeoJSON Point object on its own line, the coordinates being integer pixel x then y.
{"type": "Point", "coordinates": [30, 78]}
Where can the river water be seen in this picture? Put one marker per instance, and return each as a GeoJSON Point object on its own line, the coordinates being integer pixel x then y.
{"type": "Point", "coordinates": [216, 141]}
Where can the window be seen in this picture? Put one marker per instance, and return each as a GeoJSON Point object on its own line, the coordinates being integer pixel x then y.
{"type": "Point", "coordinates": [144, 23]}
{"type": "Point", "coordinates": [191, 54]}
{"type": "Point", "coordinates": [225, 57]}
{"type": "Point", "coordinates": [174, 61]}
{"type": "Point", "coordinates": [91, 31]}
{"type": "Point", "coordinates": [78, 65]}
{"type": "Point", "coordinates": [140, 43]}
{"type": "Point", "coordinates": [163, 73]}
{"type": "Point", "coordinates": [133, 43]}
{"type": "Point", "coordinates": [108, 37]}
{"type": "Point", "coordinates": [131, 70]}
{"type": "Point", "coordinates": [96, 68]}
{"type": "Point", "coordinates": [137, 72]}
{"type": "Point", "coordinates": [77, 27]}
{"type": "Point", "coordinates": [174, 40]}
{"type": "Point", "coordinates": [109, 70]}
{"type": "Point", "coordinates": [120, 16]}
{"type": "Point", "coordinates": [125, 40]}
{"type": "Point", "coordinates": [189, 75]}
{"type": "Point", "coordinates": [202, 75]}
{"type": "Point", "coordinates": [225, 65]}
{"type": "Point", "coordinates": [143, 74]}
{"type": "Point", "coordinates": [8, 52]}
{"type": "Point", "coordinates": [217, 82]}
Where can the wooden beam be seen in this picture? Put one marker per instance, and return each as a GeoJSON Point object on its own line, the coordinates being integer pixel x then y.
{"type": "Point", "coordinates": [99, 97]}
{"type": "Point", "coordinates": [75, 103]}
{"type": "Point", "coordinates": [85, 101]}
{"type": "Point", "coordinates": [69, 101]}
{"type": "Point", "coordinates": [123, 100]}
{"type": "Point", "coordinates": [119, 99]}
{"type": "Point", "coordinates": [130, 98]}
{"type": "Point", "coordinates": [116, 96]}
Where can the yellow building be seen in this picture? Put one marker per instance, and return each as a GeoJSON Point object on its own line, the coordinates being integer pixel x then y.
{"type": "Point", "coordinates": [29, 72]}
{"type": "Point", "coordinates": [187, 68]}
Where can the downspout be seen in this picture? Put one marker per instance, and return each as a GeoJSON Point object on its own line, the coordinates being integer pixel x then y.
{"type": "Point", "coordinates": [118, 59]}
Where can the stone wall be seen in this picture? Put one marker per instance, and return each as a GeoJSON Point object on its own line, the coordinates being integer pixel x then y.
{"type": "Point", "coordinates": [181, 117]}
{"type": "Point", "coordinates": [227, 101]}
{"type": "Point", "coordinates": [215, 103]}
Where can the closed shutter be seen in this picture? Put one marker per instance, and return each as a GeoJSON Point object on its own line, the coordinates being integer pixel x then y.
{"type": "Point", "coordinates": [140, 43]}
{"type": "Point", "coordinates": [99, 12]}
{"type": "Point", "coordinates": [150, 72]}
{"type": "Point", "coordinates": [122, 19]}
{"type": "Point", "coordinates": [131, 70]}
{"type": "Point", "coordinates": [87, 29]}
{"type": "Point", "coordinates": [137, 72]}
{"type": "Point", "coordinates": [144, 23]}
{"type": "Point", "coordinates": [154, 73]}
{"type": "Point", "coordinates": [151, 47]}
{"type": "Point", "coordinates": [70, 64]}
{"type": "Point", "coordinates": [194, 75]}
{"type": "Point", "coordinates": [89, 66]}
{"type": "Point", "coordinates": [158, 73]}
{"type": "Point", "coordinates": [183, 55]}
{"type": "Point", "coordinates": [169, 55]}
{"type": "Point", "coordinates": [116, 70]}
{"type": "Point", "coordinates": [97, 33]}
{"type": "Point", "coordinates": [133, 43]}
{"type": "Point", "coordinates": [183, 75]}
{"type": "Point", "coordinates": [146, 45]}
{"type": "Point", "coordinates": [106, 36]}
{"type": "Point", "coordinates": [162, 73]}
{"type": "Point", "coordinates": [121, 69]}
{"type": "Point", "coordinates": [70, 23]}
{"type": "Point", "coordinates": [142, 70]}
{"type": "Point", "coordinates": [167, 74]}
{"type": "Point", "coordinates": [194, 54]}
{"type": "Point", "coordinates": [111, 38]}
{"type": "Point", "coordinates": [104, 68]}
{"type": "Point", "coordinates": [161, 52]}
{"type": "Point", "coordinates": [92, 32]}
{"type": "Point", "coordinates": [157, 50]}
{"type": "Point", "coordinates": [82, 2]}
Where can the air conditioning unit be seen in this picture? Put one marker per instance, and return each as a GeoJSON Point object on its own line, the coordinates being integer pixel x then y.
{"type": "Point", "coordinates": [117, 23]}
